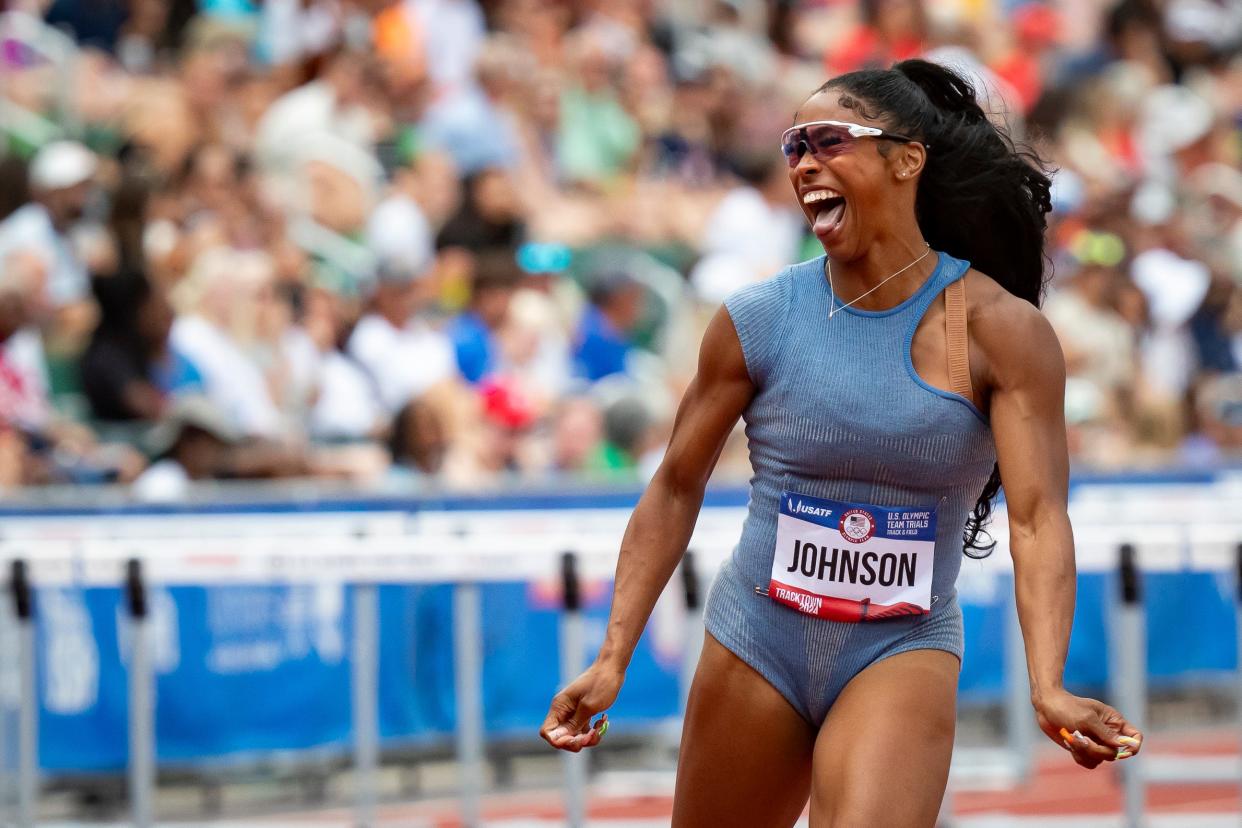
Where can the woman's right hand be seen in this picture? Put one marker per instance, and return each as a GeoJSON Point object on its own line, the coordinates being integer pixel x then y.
{"type": "Point", "coordinates": [568, 725]}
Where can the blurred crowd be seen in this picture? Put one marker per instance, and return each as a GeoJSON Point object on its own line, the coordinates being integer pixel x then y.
{"type": "Point", "coordinates": [465, 241]}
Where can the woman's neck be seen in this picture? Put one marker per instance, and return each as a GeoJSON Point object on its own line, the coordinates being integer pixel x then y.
{"type": "Point", "coordinates": [883, 259]}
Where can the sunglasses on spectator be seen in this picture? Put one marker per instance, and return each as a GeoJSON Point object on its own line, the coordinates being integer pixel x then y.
{"type": "Point", "coordinates": [826, 139]}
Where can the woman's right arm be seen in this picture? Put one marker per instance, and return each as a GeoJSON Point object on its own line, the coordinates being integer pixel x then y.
{"type": "Point", "coordinates": [659, 529]}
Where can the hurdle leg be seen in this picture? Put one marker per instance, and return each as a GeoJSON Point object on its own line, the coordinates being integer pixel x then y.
{"type": "Point", "coordinates": [1019, 715]}
{"type": "Point", "coordinates": [572, 643]}
{"type": "Point", "coordinates": [8, 661]}
{"type": "Point", "coordinates": [468, 658]}
{"type": "Point", "coordinates": [694, 625]}
{"type": "Point", "coordinates": [1129, 677]}
{"type": "Point", "coordinates": [1238, 627]}
{"type": "Point", "coordinates": [364, 689]}
{"type": "Point", "coordinates": [141, 702]}
{"type": "Point", "coordinates": [28, 697]}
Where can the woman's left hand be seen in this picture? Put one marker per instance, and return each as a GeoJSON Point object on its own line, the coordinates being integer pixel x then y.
{"type": "Point", "coordinates": [1104, 731]}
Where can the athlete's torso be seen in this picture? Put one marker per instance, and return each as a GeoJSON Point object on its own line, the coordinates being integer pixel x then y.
{"type": "Point", "coordinates": [840, 413]}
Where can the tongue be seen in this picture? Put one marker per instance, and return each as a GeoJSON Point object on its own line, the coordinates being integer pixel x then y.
{"type": "Point", "coordinates": [828, 219]}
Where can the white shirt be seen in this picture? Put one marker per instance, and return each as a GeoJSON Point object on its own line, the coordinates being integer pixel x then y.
{"type": "Point", "coordinates": [311, 109]}
{"type": "Point", "coordinates": [348, 405]}
{"type": "Point", "coordinates": [747, 239]}
{"type": "Point", "coordinates": [29, 228]}
{"type": "Point", "coordinates": [27, 406]}
{"type": "Point", "coordinates": [1175, 289]}
{"type": "Point", "coordinates": [231, 379]}
{"type": "Point", "coordinates": [453, 32]}
{"type": "Point", "coordinates": [403, 362]}
{"type": "Point", "coordinates": [746, 224]}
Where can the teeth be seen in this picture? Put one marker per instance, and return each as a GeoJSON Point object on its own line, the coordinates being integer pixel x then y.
{"type": "Point", "coordinates": [819, 195]}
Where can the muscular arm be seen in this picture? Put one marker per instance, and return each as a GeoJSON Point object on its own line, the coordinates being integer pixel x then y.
{"type": "Point", "coordinates": [1028, 425]}
{"type": "Point", "coordinates": [660, 527]}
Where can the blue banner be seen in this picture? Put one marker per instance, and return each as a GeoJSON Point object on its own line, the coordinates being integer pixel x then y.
{"type": "Point", "coordinates": [249, 669]}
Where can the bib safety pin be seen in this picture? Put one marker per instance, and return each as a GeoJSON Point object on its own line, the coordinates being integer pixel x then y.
{"type": "Point", "coordinates": [761, 591]}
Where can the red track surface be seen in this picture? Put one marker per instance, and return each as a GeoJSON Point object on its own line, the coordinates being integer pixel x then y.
{"type": "Point", "coordinates": [1061, 787]}
{"type": "Point", "coordinates": [1058, 788]}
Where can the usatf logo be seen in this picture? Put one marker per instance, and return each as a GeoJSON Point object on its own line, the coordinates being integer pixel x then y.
{"type": "Point", "coordinates": [800, 508]}
{"type": "Point", "coordinates": [857, 525]}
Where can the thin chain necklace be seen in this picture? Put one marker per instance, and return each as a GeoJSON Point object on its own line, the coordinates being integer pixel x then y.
{"type": "Point", "coordinates": [832, 293]}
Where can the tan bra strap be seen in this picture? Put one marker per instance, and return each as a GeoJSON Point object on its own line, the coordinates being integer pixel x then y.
{"type": "Point", "coordinates": [957, 338]}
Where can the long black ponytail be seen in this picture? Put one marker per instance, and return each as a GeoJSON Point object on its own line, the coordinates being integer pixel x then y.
{"type": "Point", "coordinates": [980, 197]}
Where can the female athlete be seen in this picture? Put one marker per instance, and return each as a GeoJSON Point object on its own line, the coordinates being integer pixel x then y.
{"type": "Point", "coordinates": [888, 388]}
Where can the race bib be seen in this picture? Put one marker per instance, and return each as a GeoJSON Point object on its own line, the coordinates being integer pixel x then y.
{"type": "Point", "coordinates": [852, 561]}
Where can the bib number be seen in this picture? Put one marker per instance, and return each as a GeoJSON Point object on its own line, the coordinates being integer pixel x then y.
{"type": "Point", "coordinates": [852, 561]}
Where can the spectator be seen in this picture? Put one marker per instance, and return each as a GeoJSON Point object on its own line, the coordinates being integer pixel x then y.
{"type": "Point", "coordinates": [192, 443]}
{"type": "Point", "coordinates": [61, 179]}
{"type": "Point", "coordinates": [346, 405]}
{"type": "Point", "coordinates": [44, 446]}
{"type": "Point", "coordinates": [490, 216]}
{"type": "Point", "coordinates": [323, 190]}
{"type": "Point", "coordinates": [577, 435]}
{"type": "Point", "coordinates": [129, 369]}
{"type": "Point", "coordinates": [603, 344]}
{"type": "Point", "coordinates": [214, 303]}
{"type": "Point", "coordinates": [890, 30]}
{"type": "Point", "coordinates": [403, 354]}
{"type": "Point", "coordinates": [1099, 344]}
{"type": "Point", "coordinates": [752, 233]}
{"type": "Point", "coordinates": [474, 331]}
{"type": "Point", "coordinates": [420, 436]}
{"type": "Point", "coordinates": [598, 139]}
{"type": "Point", "coordinates": [23, 389]}
{"type": "Point", "coordinates": [195, 441]}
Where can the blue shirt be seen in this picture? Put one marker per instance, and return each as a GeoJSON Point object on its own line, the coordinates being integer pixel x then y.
{"type": "Point", "coordinates": [601, 349]}
{"type": "Point", "coordinates": [474, 345]}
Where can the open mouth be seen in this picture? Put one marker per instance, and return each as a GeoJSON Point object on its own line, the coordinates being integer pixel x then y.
{"type": "Point", "coordinates": [828, 209]}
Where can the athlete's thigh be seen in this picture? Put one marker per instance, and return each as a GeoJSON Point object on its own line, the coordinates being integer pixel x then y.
{"type": "Point", "coordinates": [882, 755]}
{"type": "Point", "coordinates": [745, 752]}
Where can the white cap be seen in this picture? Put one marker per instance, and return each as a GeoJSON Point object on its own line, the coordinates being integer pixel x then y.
{"type": "Point", "coordinates": [400, 237]}
{"type": "Point", "coordinates": [62, 164]}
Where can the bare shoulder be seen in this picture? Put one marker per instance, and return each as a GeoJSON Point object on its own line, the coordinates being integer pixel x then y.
{"type": "Point", "coordinates": [1015, 338]}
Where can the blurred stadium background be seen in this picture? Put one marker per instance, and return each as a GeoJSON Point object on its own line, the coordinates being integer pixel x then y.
{"type": "Point", "coordinates": [302, 297]}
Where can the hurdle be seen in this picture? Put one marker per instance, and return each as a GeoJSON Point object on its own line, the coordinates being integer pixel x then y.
{"type": "Point", "coordinates": [468, 676]}
{"type": "Point", "coordinates": [691, 584]}
{"type": "Point", "coordinates": [6, 736]}
{"type": "Point", "coordinates": [364, 696]}
{"type": "Point", "coordinates": [1128, 634]}
{"type": "Point", "coordinates": [22, 595]}
{"type": "Point", "coordinates": [435, 551]}
{"type": "Point", "coordinates": [572, 643]}
{"type": "Point", "coordinates": [141, 699]}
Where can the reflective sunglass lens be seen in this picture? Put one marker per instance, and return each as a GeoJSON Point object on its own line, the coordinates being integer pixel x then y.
{"type": "Point", "coordinates": [827, 140]}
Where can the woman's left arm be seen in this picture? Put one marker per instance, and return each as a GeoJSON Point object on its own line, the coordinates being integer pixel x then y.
{"type": "Point", "coordinates": [1027, 411]}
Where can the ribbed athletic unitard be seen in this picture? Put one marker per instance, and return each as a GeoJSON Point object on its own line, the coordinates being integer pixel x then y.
{"type": "Point", "coordinates": [840, 413]}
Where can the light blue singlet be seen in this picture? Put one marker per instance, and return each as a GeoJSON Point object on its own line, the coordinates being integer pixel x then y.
{"type": "Point", "coordinates": [839, 413]}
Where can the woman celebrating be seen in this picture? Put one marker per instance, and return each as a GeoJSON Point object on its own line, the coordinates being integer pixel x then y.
{"type": "Point", "coordinates": [887, 388]}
